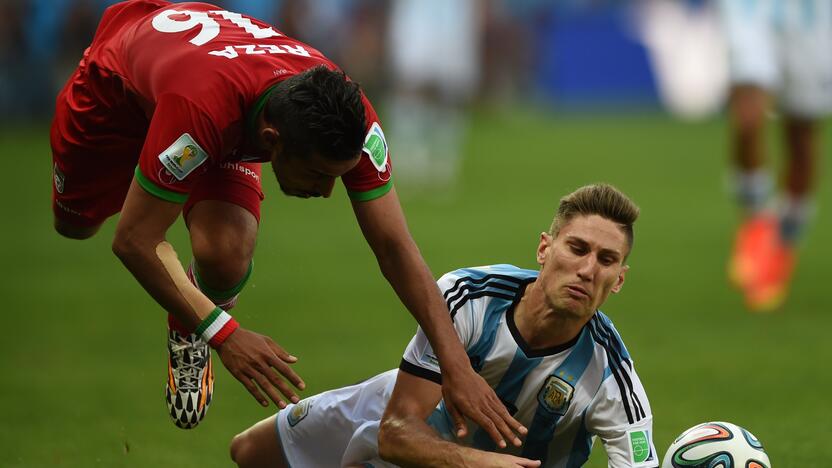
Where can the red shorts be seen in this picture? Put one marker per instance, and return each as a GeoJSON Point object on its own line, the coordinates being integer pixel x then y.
{"type": "Point", "coordinates": [97, 135]}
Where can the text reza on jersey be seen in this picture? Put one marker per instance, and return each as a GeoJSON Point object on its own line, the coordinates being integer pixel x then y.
{"type": "Point", "coordinates": [231, 52]}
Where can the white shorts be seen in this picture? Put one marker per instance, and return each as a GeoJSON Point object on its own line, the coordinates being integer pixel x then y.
{"type": "Point", "coordinates": [784, 47]}
{"type": "Point", "coordinates": [435, 43]}
{"type": "Point", "coordinates": [338, 427]}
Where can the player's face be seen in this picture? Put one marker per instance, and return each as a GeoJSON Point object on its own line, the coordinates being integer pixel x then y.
{"type": "Point", "coordinates": [582, 265]}
{"type": "Point", "coordinates": [313, 176]}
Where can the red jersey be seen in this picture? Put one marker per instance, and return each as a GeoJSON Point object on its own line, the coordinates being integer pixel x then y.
{"type": "Point", "coordinates": [201, 75]}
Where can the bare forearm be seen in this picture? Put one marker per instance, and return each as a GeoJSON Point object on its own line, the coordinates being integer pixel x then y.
{"type": "Point", "coordinates": [410, 277]}
{"type": "Point", "coordinates": [385, 229]}
{"type": "Point", "coordinates": [410, 442]}
{"type": "Point", "coordinates": [142, 259]}
{"type": "Point", "coordinates": [140, 245]}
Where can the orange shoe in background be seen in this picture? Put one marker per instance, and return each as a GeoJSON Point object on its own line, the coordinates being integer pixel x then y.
{"type": "Point", "coordinates": [768, 291]}
{"type": "Point", "coordinates": [756, 240]}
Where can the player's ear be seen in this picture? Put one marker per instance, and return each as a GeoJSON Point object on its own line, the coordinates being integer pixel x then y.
{"type": "Point", "coordinates": [545, 242]}
{"type": "Point", "coordinates": [619, 283]}
{"type": "Point", "coordinates": [271, 136]}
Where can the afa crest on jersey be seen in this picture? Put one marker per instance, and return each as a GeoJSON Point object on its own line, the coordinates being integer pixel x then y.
{"type": "Point", "coordinates": [298, 412]}
{"type": "Point", "coordinates": [555, 395]}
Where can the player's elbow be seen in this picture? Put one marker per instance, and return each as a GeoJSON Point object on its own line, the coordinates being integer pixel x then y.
{"type": "Point", "coordinates": [396, 256]}
{"type": "Point", "coordinates": [125, 244]}
{"type": "Point", "coordinates": [122, 247]}
{"type": "Point", "coordinates": [390, 433]}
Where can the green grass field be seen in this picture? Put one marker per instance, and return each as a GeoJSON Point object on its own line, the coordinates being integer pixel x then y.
{"type": "Point", "coordinates": [83, 356]}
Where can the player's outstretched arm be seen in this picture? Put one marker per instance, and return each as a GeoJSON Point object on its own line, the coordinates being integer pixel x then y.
{"type": "Point", "coordinates": [406, 440]}
{"type": "Point", "coordinates": [140, 244]}
{"type": "Point", "coordinates": [465, 392]}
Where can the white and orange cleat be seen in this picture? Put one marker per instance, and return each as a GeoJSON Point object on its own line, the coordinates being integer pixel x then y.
{"type": "Point", "coordinates": [770, 287]}
{"type": "Point", "coordinates": [756, 240]}
{"type": "Point", "coordinates": [190, 379]}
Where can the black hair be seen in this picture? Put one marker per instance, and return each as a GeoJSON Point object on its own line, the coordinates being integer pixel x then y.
{"type": "Point", "coordinates": [318, 111]}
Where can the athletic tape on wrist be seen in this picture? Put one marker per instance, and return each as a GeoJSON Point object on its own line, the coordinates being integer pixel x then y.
{"type": "Point", "coordinates": [216, 327]}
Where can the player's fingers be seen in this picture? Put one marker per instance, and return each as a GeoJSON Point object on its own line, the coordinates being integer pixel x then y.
{"type": "Point", "coordinates": [502, 412]}
{"type": "Point", "coordinates": [249, 385]}
{"type": "Point", "coordinates": [281, 353]}
{"type": "Point", "coordinates": [266, 385]}
{"type": "Point", "coordinates": [286, 372]}
{"type": "Point", "coordinates": [276, 381]}
{"type": "Point", "coordinates": [486, 421]}
{"type": "Point", "coordinates": [503, 428]}
{"type": "Point", "coordinates": [457, 418]}
{"type": "Point", "coordinates": [506, 423]}
{"type": "Point", "coordinates": [494, 426]}
{"type": "Point", "coordinates": [526, 463]}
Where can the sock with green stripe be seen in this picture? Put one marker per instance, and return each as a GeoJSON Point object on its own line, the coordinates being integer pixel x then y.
{"type": "Point", "coordinates": [224, 299]}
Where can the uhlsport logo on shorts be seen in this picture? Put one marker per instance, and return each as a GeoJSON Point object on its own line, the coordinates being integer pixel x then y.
{"type": "Point", "coordinates": [555, 395]}
{"type": "Point", "coordinates": [640, 447]}
{"type": "Point", "coordinates": [59, 178]}
{"type": "Point", "coordinates": [375, 145]}
{"type": "Point", "coordinates": [183, 156]}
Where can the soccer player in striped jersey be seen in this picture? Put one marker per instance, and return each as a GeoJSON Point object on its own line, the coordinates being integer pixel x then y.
{"type": "Point", "coordinates": [537, 337]}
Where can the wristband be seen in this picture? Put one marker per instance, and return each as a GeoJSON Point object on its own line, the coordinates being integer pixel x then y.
{"type": "Point", "coordinates": [216, 327]}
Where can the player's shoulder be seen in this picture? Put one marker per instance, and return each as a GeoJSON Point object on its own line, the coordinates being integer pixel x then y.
{"type": "Point", "coordinates": [484, 273]}
{"type": "Point", "coordinates": [605, 335]}
{"type": "Point", "coordinates": [503, 277]}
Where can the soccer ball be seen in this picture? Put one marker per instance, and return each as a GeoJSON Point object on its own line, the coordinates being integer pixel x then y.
{"type": "Point", "coordinates": [716, 445]}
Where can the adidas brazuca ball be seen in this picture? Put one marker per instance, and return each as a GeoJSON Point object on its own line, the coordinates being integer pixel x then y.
{"type": "Point", "coordinates": [716, 445]}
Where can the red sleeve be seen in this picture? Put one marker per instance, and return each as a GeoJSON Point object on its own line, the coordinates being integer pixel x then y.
{"type": "Point", "coordinates": [372, 177]}
{"type": "Point", "coordinates": [181, 143]}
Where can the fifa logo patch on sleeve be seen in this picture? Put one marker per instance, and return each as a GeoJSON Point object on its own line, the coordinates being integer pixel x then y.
{"type": "Point", "coordinates": [641, 450]}
{"type": "Point", "coordinates": [375, 145]}
{"type": "Point", "coordinates": [183, 156]}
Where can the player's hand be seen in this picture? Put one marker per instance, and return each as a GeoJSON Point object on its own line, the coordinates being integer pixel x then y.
{"type": "Point", "coordinates": [258, 363]}
{"type": "Point", "coordinates": [500, 460]}
{"type": "Point", "coordinates": [468, 394]}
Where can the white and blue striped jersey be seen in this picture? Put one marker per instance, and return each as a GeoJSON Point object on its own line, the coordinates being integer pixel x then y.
{"type": "Point", "coordinates": [566, 395]}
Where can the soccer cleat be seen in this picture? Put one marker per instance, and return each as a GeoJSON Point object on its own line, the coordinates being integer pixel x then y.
{"type": "Point", "coordinates": [769, 289]}
{"type": "Point", "coordinates": [190, 379]}
{"type": "Point", "coordinates": [756, 240]}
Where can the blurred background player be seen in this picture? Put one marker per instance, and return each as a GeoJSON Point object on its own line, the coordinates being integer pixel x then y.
{"type": "Point", "coordinates": [434, 51]}
{"type": "Point", "coordinates": [780, 59]}
{"type": "Point", "coordinates": [537, 337]}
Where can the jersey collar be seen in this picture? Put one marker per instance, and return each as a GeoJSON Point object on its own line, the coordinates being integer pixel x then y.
{"type": "Point", "coordinates": [259, 104]}
{"type": "Point", "coordinates": [518, 338]}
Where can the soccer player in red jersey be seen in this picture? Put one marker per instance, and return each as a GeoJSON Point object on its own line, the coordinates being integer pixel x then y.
{"type": "Point", "coordinates": [170, 111]}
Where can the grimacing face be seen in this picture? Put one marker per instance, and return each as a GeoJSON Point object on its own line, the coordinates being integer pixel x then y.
{"type": "Point", "coordinates": [309, 177]}
{"type": "Point", "coordinates": [582, 265]}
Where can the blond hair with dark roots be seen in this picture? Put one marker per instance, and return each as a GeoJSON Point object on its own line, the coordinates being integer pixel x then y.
{"type": "Point", "coordinates": [603, 200]}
